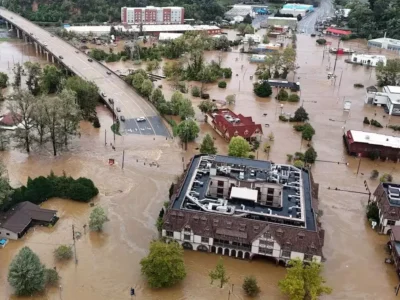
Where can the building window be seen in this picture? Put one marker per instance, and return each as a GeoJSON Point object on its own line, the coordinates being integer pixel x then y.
{"type": "Point", "coordinates": [220, 183]}
{"type": "Point", "coordinates": [186, 237]}
{"type": "Point", "coordinates": [7, 233]}
{"type": "Point", "coordinates": [204, 239]}
{"type": "Point", "coordinates": [267, 235]}
{"type": "Point", "coordinates": [391, 222]}
{"type": "Point", "coordinates": [220, 191]}
{"type": "Point", "coordinates": [286, 253]}
{"type": "Point", "coordinates": [267, 244]}
{"type": "Point", "coordinates": [266, 251]}
{"type": "Point", "coordinates": [308, 257]}
{"type": "Point", "coordinates": [169, 233]}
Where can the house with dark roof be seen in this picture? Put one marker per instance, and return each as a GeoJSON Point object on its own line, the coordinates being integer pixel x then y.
{"type": "Point", "coordinates": [387, 198]}
{"type": "Point", "coordinates": [228, 125]}
{"type": "Point", "coordinates": [15, 222]}
{"type": "Point", "coordinates": [243, 208]}
{"type": "Point", "coordinates": [394, 247]}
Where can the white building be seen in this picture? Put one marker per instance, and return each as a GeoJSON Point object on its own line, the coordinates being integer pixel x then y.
{"type": "Point", "coordinates": [389, 98]}
{"type": "Point", "coordinates": [239, 10]}
{"type": "Point", "coordinates": [255, 37]}
{"type": "Point", "coordinates": [385, 43]}
{"type": "Point", "coordinates": [367, 59]}
{"type": "Point", "coordinates": [152, 15]}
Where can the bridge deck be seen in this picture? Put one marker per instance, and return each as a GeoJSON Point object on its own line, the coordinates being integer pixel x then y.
{"type": "Point", "coordinates": [131, 104]}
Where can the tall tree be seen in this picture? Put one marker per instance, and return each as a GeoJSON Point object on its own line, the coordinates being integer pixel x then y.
{"type": "Point", "coordinates": [303, 282]}
{"type": "Point", "coordinates": [239, 147]}
{"type": "Point", "coordinates": [4, 140]}
{"type": "Point", "coordinates": [219, 274]}
{"type": "Point", "coordinates": [34, 74]}
{"type": "Point", "coordinates": [188, 131]}
{"type": "Point", "coordinates": [250, 286]}
{"type": "Point", "coordinates": [70, 115]}
{"type": "Point", "coordinates": [40, 121]}
{"type": "Point", "coordinates": [22, 109]}
{"type": "Point", "coordinates": [5, 188]}
{"type": "Point", "coordinates": [87, 95]}
{"type": "Point", "coordinates": [26, 273]}
{"type": "Point", "coordinates": [17, 70]}
{"type": "Point", "coordinates": [164, 265]}
{"type": "Point", "coordinates": [51, 79]}
{"type": "Point", "coordinates": [207, 146]}
{"type": "Point", "coordinates": [3, 80]}
{"type": "Point", "coordinates": [389, 74]}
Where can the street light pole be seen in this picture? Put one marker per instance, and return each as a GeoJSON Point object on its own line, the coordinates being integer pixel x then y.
{"type": "Point", "coordinates": [114, 121]}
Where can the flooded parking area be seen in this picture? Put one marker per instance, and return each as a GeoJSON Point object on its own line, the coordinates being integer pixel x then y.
{"type": "Point", "coordinates": [108, 262]}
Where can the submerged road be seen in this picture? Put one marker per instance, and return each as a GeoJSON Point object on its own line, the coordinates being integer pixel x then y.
{"type": "Point", "coordinates": [131, 104]}
{"type": "Point", "coordinates": [325, 9]}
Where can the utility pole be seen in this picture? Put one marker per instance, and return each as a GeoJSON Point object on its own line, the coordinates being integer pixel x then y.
{"type": "Point", "coordinates": [337, 51]}
{"type": "Point", "coordinates": [73, 237]}
{"type": "Point", "coordinates": [105, 137]}
{"type": "Point", "coordinates": [123, 158]}
{"type": "Point", "coordinates": [359, 164]}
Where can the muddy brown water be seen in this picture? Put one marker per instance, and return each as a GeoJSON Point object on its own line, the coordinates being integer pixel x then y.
{"type": "Point", "coordinates": [108, 262]}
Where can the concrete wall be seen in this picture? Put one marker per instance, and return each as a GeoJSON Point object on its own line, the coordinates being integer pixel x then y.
{"type": "Point", "coordinates": [4, 233]}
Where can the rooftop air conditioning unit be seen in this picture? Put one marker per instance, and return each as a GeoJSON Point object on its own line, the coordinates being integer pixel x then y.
{"type": "Point", "coordinates": [367, 137]}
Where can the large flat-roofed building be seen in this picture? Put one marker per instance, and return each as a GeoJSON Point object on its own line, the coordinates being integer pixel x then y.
{"type": "Point", "coordinates": [243, 207]}
{"type": "Point", "coordinates": [387, 198]}
{"type": "Point", "coordinates": [385, 43]}
{"type": "Point", "coordinates": [374, 145]}
{"type": "Point", "coordinates": [388, 98]}
{"type": "Point", "coordinates": [152, 15]}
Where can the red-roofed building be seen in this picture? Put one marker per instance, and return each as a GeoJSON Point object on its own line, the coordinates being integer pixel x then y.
{"type": "Point", "coordinates": [337, 32]}
{"type": "Point", "coordinates": [228, 125]}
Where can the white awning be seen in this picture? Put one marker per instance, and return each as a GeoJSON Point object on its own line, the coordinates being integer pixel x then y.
{"type": "Point", "coordinates": [244, 193]}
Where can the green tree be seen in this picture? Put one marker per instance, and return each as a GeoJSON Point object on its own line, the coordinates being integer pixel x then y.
{"type": "Point", "coordinates": [282, 95]}
{"type": "Point", "coordinates": [307, 132]}
{"type": "Point", "coordinates": [63, 252]}
{"type": "Point", "coordinates": [241, 27]}
{"type": "Point", "coordinates": [207, 146]}
{"type": "Point", "coordinates": [250, 286]}
{"type": "Point", "coordinates": [310, 155]}
{"type": "Point", "coordinates": [294, 98]}
{"type": "Point", "coordinates": [186, 109]}
{"type": "Point", "coordinates": [195, 91]}
{"type": "Point", "coordinates": [386, 178]}
{"type": "Point", "coordinates": [17, 70]}
{"type": "Point", "coordinates": [51, 79]}
{"type": "Point", "coordinates": [87, 95]}
{"type": "Point", "coordinates": [34, 74]}
{"type": "Point", "coordinates": [51, 277]}
{"type": "Point", "coordinates": [173, 69]}
{"type": "Point", "coordinates": [97, 219]}
{"type": "Point", "coordinates": [164, 265]}
{"type": "Point", "coordinates": [262, 89]}
{"type": "Point", "coordinates": [137, 81]}
{"type": "Point", "coordinates": [219, 274]}
{"type": "Point", "coordinates": [389, 74]}
{"type": "Point", "coordinates": [207, 106]}
{"type": "Point", "coordinates": [248, 29]}
{"type": "Point", "coordinates": [373, 212]}
{"type": "Point", "coordinates": [265, 39]}
{"type": "Point", "coordinates": [239, 147]}
{"type": "Point", "coordinates": [361, 18]}
{"type": "Point", "coordinates": [303, 282]}
{"type": "Point", "coordinates": [5, 188]}
{"type": "Point", "coordinates": [298, 163]}
{"type": "Point", "coordinates": [4, 140]}
{"type": "Point", "coordinates": [157, 97]}
{"type": "Point", "coordinates": [147, 88]}
{"type": "Point", "coordinates": [222, 43]}
{"type": "Point", "coordinates": [3, 80]}
{"type": "Point", "coordinates": [300, 115]}
{"type": "Point", "coordinates": [247, 19]}
{"type": "Point", "coordinates": [188, 131]}
{"type": "Point", "coordinates": [26, 273]}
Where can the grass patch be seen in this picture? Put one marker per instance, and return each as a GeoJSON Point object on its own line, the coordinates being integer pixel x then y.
{"type": "Point", "coordinates": [4, 39]}
{"type": "Point", "coordinates": [115, 128]}
{"type": "Point", "coordinates": [173, 125]}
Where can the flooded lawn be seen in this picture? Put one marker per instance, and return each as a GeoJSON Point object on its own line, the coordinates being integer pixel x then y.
{"type": "Point", "coordinates": [108, 262]}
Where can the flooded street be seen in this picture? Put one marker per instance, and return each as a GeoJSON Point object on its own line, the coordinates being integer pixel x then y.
{"type": "Point", "coordinates": [108, 262]}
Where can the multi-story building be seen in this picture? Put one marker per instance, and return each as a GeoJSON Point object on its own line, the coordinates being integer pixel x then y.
{"type": "Point", "coordinates": [152, 15]}
{"type": "Point", "coordinates": [387, 197]}
{"type": "Point", "coordinates": [243, 207]}
{"type": "Point", "coordinates": [394, 247]}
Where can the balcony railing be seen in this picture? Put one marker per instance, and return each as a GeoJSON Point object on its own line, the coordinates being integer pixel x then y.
{"type": "Point", "coordinates": [231, 246]}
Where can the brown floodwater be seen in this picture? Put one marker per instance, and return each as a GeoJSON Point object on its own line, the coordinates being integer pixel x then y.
{"type": "Point", "coordinates": [108, 262]}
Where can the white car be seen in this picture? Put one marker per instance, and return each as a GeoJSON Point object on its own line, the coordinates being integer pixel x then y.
{"type": "Point", "coordinates": [140, 119]}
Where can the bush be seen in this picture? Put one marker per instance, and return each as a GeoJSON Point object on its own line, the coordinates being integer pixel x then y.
{"type": "Point", "coordinates": [250, 286]}
{"type": "Point", "coordinates": [282, 95]}
{"type": "Point", "coordinates": [298, 164]}
{"type": "Point", "coordinates": [308, 132]}
{"type": "Point", "coordinates": [294, 98]}
{"type": "Point", "coordinates": [374, 174]}
{"type": "Point", "coordinates": [227, 73]}
{"type": "Point", "coordinates": [373, 212]}
{"type": "Point", "coordinates": [375, 123]}
{"type": "Point", "coordinates": [222, 84]}
{"type": "Point", "coordinates": [310, 155]}
{"type": "Point", "coordinates": [195, 91]}
{"type": "Point", "coordinates": [394, 127]}
{"type": "Point", "coordinates": [283, 118]}
{"type": "Point", "coordinates": [63, 252]}
{"type": "Point", "coordinates": [386, 178]}
{"type": "Point", "coordinates": [366, 121]}
{"type": "Point", "coordinates": [42, 188]}
{"type": "Point", "coordinates": [358, 85]}
{"type": "Point", "coordinates": [321, 41]}
{"type": "Point", "coordinates": [289, 158]}
{"type": "Point", "coordinates": [96, 122]}
{"type": "Point", "coordinates": [51, 277]}
{"type": "Point", "coordinates": [251, 156]}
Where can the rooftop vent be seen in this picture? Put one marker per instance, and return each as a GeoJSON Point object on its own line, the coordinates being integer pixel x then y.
{"type": "Point", "coordinates": [367, 137]}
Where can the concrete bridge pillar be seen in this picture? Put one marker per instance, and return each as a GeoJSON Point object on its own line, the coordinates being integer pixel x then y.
{"type": "Point", "coordinates": [36, 47]}
{"type": "Point", "coordinates": [7, 24]}
{"type": "Point", "coordinates": [18, 35]}
{"type": "Point", "coordinates": [52, 58]}
{"type": "Point", "coordinates": [47, 55]}
{"type": "Point", "coordinates": [11, 26]}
